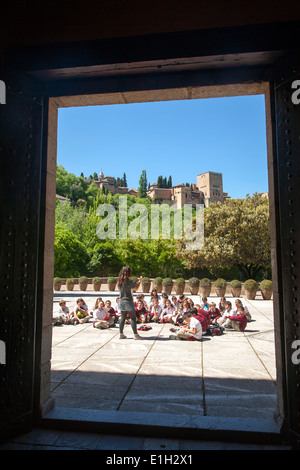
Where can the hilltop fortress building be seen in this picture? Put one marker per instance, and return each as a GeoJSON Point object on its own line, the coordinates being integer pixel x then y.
{"type": "Point", "coordinates": [209, 189]}
{"type": "Point", "coordinates": [211, 184]}
{"type": "Point", "coordinates": [109, 183]}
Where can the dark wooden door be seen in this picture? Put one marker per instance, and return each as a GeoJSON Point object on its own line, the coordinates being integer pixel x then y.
{"type": "Point", "coordinates": [286, 113]}
{"type": "Point", "coordinates": [20, 177]}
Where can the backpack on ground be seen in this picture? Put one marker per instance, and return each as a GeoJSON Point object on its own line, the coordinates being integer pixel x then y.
{"type": "Point", "coordinates": [215, 330]}
{"type": "Point", "coordinates": [145, 328]}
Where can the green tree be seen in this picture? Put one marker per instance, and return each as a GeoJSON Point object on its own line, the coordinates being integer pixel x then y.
{"type": "Point", "coordinates": [91, 194]}
{"type": "Point", "coordinates": [70, 255]}
{"type": "Point", "coordinates": [64, 181]}
{"type": "Point", "coordinates": [136, 254]}
{"type": "Point", "coordinates": [76, 191]}
{"type": "Point", "coordinates": [150, 257]}
{"type": "Point", "coordinates": [71, 186]}
{"type": "Point", "coordinates": [72, 218]}
{"type": "Point", "coordinates": [236, 234]}
{"type": "Point", "coordinates": [160, 181]}
{"type": "Point", "coordinates": [124, 180]}
{"type": "Point", "coordinates": [165, 261]}
{"type": "Point", "coordinates": [143, 185]}
{"type": "Point", "coordinates": [104, 259]}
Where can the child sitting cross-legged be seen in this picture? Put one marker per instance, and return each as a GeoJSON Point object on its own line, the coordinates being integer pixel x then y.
{"type": "Point", "coordinates": [101, 317]}
{"type": "Point", "coordinates": [237, 322]}
{"type": "Point", "coordinates": [64, 315]}
{"type": "Point", "coordinates": [238, 303]}
{"type": "Point", "coordinates": [112, 313]}
{"type": "Point", "coordinates": [141, 297]}
{"type": "Point", "coordinates": [223, 320]}
{"type": "Point", "coordinates": [142, 315]}
{"type": "Point", "coordinates": [155, 311]}
{"type": "Point", "coordinates": [191, 330]}
{"type": "Point", "coordinates": [202, 316]}
{"type": "Point", "coordinates": [81, 311]}
{"type": "Point", "coordinates": [179, 316]}
{"type": "Point", "coordinates": [168, 314]}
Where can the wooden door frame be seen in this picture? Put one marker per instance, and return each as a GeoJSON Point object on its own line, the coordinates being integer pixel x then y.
{"type": "Point", "coordinates": [130, 71]}
{"type": "Point", "coordinates": [132, 96]}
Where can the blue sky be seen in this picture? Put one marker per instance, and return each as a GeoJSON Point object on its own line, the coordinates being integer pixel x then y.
{"type": "Point", "coordinates": [177, 138]}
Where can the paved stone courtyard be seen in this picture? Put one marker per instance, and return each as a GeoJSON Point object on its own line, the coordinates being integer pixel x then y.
{"type": "Point", "coordinates": [232, 375]}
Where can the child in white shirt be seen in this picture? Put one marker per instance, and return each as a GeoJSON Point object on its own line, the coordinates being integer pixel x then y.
{"type": "Point", "coordinates": [191, 331]}
{"type": "Point", "coordinates": [63, 315]}
{"type": "Point", "coordinates": [168, 314]}
{"type": "Point", "coordinates": [101, 317]}
{"type": "Point", "coordinates": [229, 312]}
{"type": "Point", "coordinates": [238, 303]}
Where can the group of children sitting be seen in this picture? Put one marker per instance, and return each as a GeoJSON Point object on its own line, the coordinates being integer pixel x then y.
{"type": "Point", "coordinates": [192, 320]}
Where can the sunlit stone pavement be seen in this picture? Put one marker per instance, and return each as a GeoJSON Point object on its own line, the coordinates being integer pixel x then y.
{"type": "Point", "coordinates": [224, 384]}
{"type": "Point", "coordinates": [232, 375]}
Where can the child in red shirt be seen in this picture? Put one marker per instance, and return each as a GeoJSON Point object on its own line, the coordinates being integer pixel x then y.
{"type": "Point", "coordinates": [141, 312]}
{"type": "Point", "coordinates": [111, 311]}
{"type": "Point", "coordinates": [239, 322]}
{"type": "Point", "coordinates": [202, 316]}
{"type": "Point", "coordinates": [214, 312]}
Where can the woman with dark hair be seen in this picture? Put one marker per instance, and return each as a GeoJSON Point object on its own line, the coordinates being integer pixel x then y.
{"type": "Point", "coordinates": [126, 288]}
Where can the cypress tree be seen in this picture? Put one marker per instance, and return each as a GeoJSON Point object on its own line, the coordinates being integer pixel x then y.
{"type": "Point", "coordinates": [143, 185]}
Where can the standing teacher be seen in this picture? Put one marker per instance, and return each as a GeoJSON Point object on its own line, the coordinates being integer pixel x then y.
{"type": "Point", "coordinates": [126, 288]}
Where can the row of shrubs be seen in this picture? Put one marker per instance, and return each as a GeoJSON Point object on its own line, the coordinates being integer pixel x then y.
{"type": "Point", "coordinates": [166, 284]}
